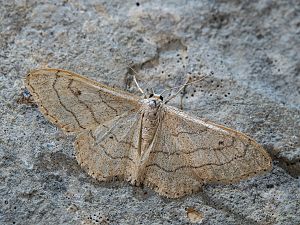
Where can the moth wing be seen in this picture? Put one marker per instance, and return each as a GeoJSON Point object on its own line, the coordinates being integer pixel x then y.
{"type": "Point", "coordinates": [190, 152]}
{"type": "Point", "coordinates": [106, 152]}
{"type": "Point", "coordinates": [75, 103]}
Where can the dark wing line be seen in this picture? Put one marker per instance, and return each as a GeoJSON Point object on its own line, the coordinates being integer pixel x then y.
{"type": "Point", "coordinates": [42, 108]}
{"type": "Point", "coordinates": [195, 150]}
{"type": "Point", "coordinates": [197, 167]}
{"type": "Point", "coordinates": [83, 103]}
{"type": "Point", "coordinates": [114, 157]}
{"type": "Point", "coordinates": [62, 104]}
{"type": "Point", "coordinates": [122, 140]}
{"type": "Point", "coordinates": [108, 105]}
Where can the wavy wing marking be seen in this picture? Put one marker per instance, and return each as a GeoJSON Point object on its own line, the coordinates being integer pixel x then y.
{"type": "Point", "coordinates": [105, 152]}
{"type": "Point", "coordinates": [75, 103]}
{"type": "Point", "coordinates": [167, 171]}
{"type": "Point", "coordinates": [190, 152]}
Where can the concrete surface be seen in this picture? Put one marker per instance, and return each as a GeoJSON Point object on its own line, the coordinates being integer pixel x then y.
{"type": "Point", "coordinates": [251, 51]}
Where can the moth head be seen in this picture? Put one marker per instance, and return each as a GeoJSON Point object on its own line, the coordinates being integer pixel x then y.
{"type": "Point", "coordinates": [156, 97]}
{"type": "Point", "coordinates": [154, 100]}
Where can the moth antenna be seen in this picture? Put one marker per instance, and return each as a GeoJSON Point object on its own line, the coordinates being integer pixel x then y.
{"type": "Point", "coordinates": [163, 92]}
{"type": "Point", "coordinates": [136, 83]}
{"type": "Point", "coordinates": [181, 87]}
{"type": "Point", "coordinates": [134, 78]}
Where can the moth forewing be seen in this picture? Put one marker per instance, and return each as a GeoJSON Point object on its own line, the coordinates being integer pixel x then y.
{"type": "Point", "coordinates": [76, 103]}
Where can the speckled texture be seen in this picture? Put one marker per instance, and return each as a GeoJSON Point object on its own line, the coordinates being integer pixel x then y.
{"type": "Point", "coordinates": [251, 49]}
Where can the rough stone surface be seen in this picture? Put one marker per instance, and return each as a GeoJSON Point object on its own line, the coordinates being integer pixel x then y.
{"type": "Point", "coordinates": [251, 49]}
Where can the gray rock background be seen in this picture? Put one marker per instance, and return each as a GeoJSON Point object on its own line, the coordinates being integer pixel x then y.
{"type": "Point", "coordinates": [249, 49]}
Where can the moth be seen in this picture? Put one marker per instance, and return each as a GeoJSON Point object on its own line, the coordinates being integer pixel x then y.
{"type": "Point", "coordinates": [142, 139]}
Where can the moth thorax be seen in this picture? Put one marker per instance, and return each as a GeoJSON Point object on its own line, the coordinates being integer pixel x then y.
{"type": "Point", "coordinates": [150, 124]}
{"type": "Point", "coordinates": [151, 113]}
